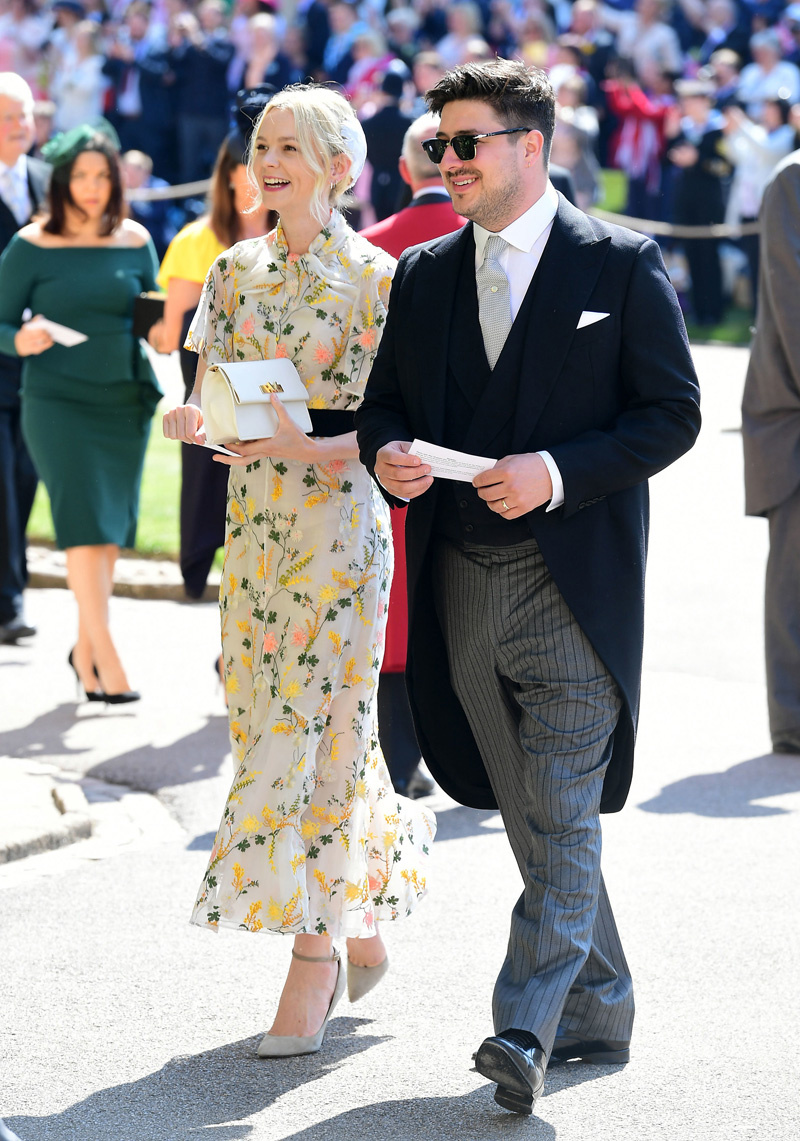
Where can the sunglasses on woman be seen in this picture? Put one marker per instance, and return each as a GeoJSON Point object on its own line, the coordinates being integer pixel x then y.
{"type": "Point", "coordinates": [464, 146]}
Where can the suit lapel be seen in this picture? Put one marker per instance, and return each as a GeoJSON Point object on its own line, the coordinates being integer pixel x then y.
{"type": "Point", "coordinates": [435, 284]}
{"type": "Point", "coordinates": [570, 265]}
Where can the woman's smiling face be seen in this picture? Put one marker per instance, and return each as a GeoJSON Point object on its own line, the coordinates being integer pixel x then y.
{"type": "Point", "coordinates": [284, 177]}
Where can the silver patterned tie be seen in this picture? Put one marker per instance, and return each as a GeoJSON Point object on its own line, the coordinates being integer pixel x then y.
{"type": "Point", "coordinates": [494, 299]}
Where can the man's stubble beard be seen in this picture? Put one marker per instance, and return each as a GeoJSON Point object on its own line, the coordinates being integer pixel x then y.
{"type": "Point", "coordinates": [497, 208]}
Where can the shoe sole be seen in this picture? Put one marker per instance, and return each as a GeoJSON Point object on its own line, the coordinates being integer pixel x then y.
{"type": "Point", "coordinates": [513, 1090]}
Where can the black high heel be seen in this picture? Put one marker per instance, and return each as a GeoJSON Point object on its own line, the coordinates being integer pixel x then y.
{"type": "Point", "coordinates": [95, 695]}
{"type": "Point", "coordinates": [119, 698]}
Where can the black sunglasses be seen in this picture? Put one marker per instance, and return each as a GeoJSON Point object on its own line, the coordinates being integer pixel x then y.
{"type": "Point", "coordinates": [464, 146]}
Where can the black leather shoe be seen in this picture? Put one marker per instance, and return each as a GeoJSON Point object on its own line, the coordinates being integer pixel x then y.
{"type": "Point", "coordinates": [517, 1063]}
{"type": "Point", "coordinates": [597, 1051]}
{"type": "Point", "coordinates": [416, 786]}
{"type": "Point", "coordinates": [16, 628]}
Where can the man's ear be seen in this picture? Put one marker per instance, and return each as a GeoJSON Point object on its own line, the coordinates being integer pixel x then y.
{"type": "Point", "coordinates": [402, 166]}
{"type": "Point", "coordinates": [534, 147]}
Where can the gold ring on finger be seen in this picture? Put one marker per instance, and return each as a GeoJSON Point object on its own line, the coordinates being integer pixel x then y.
{"type": "Point", "coordinates": [505, 505]}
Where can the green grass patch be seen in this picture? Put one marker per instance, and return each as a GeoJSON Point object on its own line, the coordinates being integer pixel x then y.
{"type": "Point", "coordinates": [734, 329]}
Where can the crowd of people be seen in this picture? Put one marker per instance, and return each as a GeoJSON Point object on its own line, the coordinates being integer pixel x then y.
{"type": "Point", "coordinates": [694, 101]}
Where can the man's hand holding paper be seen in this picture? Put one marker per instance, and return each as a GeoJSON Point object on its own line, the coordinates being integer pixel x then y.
{"type": "Point", "coordinates": [515, 485]}
{"type": "Point", "coordinates": [401, 474]}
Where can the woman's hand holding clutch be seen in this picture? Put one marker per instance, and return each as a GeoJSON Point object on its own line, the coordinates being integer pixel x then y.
{"type": "Point", "coordinates": [288, 443]}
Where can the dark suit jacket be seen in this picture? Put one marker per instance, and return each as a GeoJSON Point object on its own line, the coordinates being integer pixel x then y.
{"type": "Point", "coordinates": [38, 181]}
{"type": "Point", "coordinates": [613, 402]}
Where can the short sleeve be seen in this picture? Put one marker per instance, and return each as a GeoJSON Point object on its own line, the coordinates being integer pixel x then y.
{"type": "Point", "coordinates": [190, 254]}
{"type": "Point", "coordinates": [212, 328]}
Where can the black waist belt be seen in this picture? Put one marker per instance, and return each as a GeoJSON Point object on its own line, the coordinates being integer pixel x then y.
{"type": "Point", "coordinates": [331, 422]}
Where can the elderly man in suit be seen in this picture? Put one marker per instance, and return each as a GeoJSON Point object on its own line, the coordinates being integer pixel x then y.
{"type": "Point", "coordinates": [771, 432]}
{"type": "Point", "coordinates": [552, 343]}
{"type": "Point", "coordinates": [23, 186]}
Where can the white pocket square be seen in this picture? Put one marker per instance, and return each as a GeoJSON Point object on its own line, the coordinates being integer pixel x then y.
{"type": "Point", "coordinates": [589, 318]}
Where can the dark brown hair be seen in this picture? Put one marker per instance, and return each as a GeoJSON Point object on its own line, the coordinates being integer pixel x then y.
{"type": "Point", "coordinates": [60, 197]}
{"type": "Point", "coordinates": [520, 96]}
{"type": "Point", "coordinates": [223, 217]}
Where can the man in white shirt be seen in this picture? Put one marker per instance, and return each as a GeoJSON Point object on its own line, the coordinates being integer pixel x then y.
{"type": "Point", "coordinates": [552, 343]}
{"type": "Point", "coordinates": [23, 185]}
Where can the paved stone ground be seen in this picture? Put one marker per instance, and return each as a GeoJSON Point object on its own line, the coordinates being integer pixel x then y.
{"type": "Point", "coordinates": [120, 1021]}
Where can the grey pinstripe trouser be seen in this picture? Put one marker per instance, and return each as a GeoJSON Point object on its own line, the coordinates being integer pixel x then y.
{"type": "Point", "coordinates": [542, 708]}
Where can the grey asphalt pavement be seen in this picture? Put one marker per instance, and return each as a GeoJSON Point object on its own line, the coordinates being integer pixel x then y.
{"type": "Point", "coordinates": [119, 1021]}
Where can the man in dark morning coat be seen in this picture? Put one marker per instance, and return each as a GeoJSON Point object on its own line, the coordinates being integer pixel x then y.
{"type": "Point", "coordinates": [771, 432]}
{"type": "Point", "coordinates": [526, 587]}
{"type": "Point", "coordinates": [23, 186]}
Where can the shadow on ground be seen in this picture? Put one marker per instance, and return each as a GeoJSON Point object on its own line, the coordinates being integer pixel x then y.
{"type": "Point", "coordinates": [200, 1096]}
{"type": "Point", "coordinates": [458, 823]}
{"type": "Point", "coordinates": [733, 793]}
{"type": "Point", "coordinates": [197, 756]}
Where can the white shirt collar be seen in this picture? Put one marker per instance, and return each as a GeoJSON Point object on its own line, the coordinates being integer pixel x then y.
{"type": "Point", "coordinates": [18, 170]}
{"type": "Point", "coordinates": [430, 190]}
{"type": "Point", "coordinates": [524, 231]}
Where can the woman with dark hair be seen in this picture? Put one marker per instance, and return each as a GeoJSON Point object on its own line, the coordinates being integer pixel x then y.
{"type": "Point", "coordinates": [234, 213]}
{"type": "Point", "coordinates": [86, 407]}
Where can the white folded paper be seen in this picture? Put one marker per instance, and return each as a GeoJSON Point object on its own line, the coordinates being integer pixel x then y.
{"type": "Point", "coordinates": [61, 334]}
{"type": "Point", "coordinates": [219, 448]}
{"type": "Point", "coordinates": [447, 464]}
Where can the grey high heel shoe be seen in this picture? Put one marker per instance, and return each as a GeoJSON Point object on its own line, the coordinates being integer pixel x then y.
{"type": "Point", "coordinates": [361, 980]}
{"type": "Point", "coordinates": [291, 1046]}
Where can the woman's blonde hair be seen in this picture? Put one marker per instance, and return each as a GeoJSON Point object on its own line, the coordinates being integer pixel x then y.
{"type": "Point", "coordinates": [319, 115]}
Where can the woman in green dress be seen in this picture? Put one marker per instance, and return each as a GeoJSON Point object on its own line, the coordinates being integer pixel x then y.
{"type": "Point", "coordinates": [86, 409]}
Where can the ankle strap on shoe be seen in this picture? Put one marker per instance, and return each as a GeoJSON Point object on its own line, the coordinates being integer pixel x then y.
{"type": "Point", "coordinates": [334, 958]}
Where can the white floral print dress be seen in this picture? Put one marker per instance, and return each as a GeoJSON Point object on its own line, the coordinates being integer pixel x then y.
{"type": "Point", "coordinates": [313, 838]}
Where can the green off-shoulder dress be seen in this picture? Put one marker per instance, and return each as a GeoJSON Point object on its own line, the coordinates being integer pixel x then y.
{"type": "Point", "coordinates": [86, 410]}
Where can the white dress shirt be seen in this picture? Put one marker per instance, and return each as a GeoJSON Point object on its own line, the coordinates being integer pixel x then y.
{"type": "Point", "coordinates": [526, 237]}
{"type": "Point", "coordinates": [14, 189]}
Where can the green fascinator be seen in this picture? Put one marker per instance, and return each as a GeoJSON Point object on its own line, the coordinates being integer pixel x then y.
{"type": "Point", "coordinates": [63, 149]}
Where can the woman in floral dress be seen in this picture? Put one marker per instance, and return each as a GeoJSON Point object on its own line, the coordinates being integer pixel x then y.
{"type": "Point", "coordinates": [313, 841]}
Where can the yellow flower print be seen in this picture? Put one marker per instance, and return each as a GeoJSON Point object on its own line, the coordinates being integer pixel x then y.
{"type": "Point", "coordinates": [274, 912]}
{"type": "Point", "coordinates": [251, 507]}
{"type": "Point", "coordinates": [318, 402]}
{"type": "Point", "coordinates": [250, 824]}
{"type": "Point", "coordinates": [245, 626]}
{"type": "Point", "coordinates": [309, 829]}
{"type": "Point", "coordinates": [292, 689]}
{"type": "Point", "coordinates": [247, 662]}
{"type": "Point", "coordinates": [236, 511]}
{"type": "Point", "coordinates": [232, 683]}
{"type": "Point", "coordinates": [298, 861]}
{"type": "Point", "coordinates": [250, 921]}
{"type": "Point", "coordinates": [353, 891]}
{"type": "Point", "coordinates": [328, 593]}
{"type": "Point", "coordinates": [336, 639]}
{"type": "Point", "coordinates": [238, 877]}
{"type": "Point", "coordinates": [389, 839]}
{"type": "Point", "coordinates": [277, 488]}
{"type": "Point", "coordinates": [233, 582]}
{"type": "Point", "coordinates": [368, 271]}
{"type": "Point", "coordinates": [350, 677]}
{"type": "Point", "coordinates": [361, 789]}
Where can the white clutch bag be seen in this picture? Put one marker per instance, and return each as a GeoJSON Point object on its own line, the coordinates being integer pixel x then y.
{"type": "Point", "coordinates": [235, 399]}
